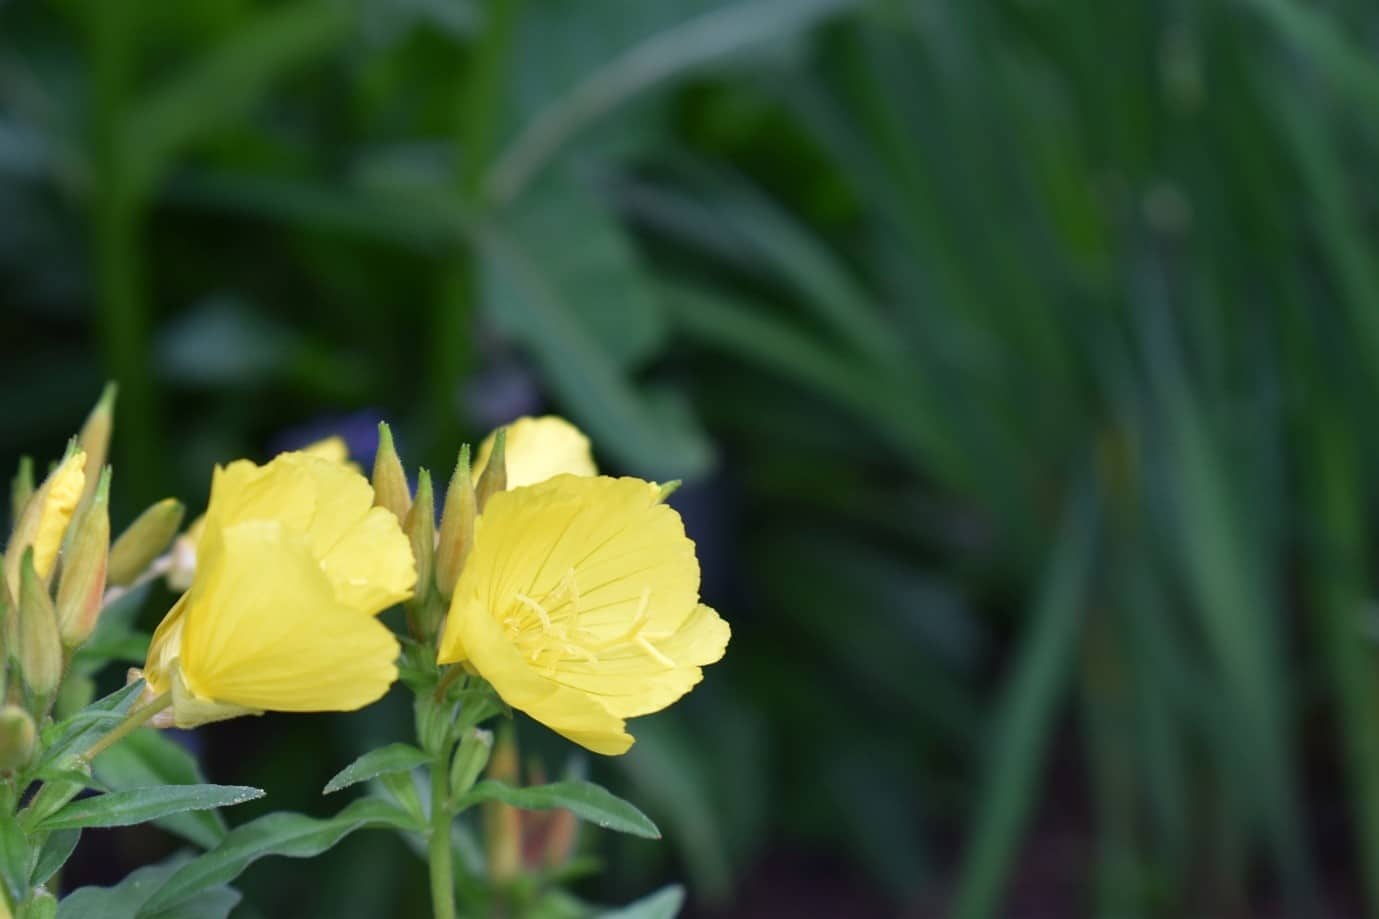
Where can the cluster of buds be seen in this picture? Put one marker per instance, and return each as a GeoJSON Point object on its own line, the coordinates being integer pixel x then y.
{"type": "Point", "coordinates": [59, 570]}
{"type": "Point", "coordinates": [440, 551]}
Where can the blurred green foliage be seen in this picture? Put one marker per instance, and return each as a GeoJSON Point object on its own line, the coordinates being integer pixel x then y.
{"type": "Point", "coordinates": [1024, 352]}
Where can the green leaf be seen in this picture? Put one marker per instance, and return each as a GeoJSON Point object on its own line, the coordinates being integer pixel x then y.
{"type": "Point", "coordinates": [75, 777]}
{"type": "Point", "coordinates": [1029, 705]}
{"type": "Point", "coordinates": [79, 731]}
{"type": "Point", "coordinates": [663, 904]}
{"type": "Point", "coordinates": [519, 287]}
{"type": "Point", "coordinates": [287, 835]}
{"type": "Point", "coordinates": [139, 805]}
{"type": "Point", "coordinates": [53, 854]}
{"type": "Point", "coordinates": [652, 61]}
{"type": "Point", "coordinates": [129, 898]}
{"type": "Point", "coordinates": [590, 260]}
{"type": "Point", "coordinates": [226, 80]}
{"type": "Point", "coordinates": [585, 800]}
{"type": "Point", "coordinates": [15, 857]}
{"type": "Point", "coordinates": [398, 757]}
{"type": "Point", "coordinates": [149, 758]}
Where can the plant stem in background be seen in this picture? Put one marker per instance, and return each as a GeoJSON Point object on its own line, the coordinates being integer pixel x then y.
{"type": "Point", "coordinates": [441, 860]}
{"type": "Point", "coordinates": [458, 295]}
{"type": "Point", "coordinates": [116, 213]}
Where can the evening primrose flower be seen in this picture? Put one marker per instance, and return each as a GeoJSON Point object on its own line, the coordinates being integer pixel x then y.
{"type": "Point", "coordinates": [537, 449]}
{"type": "Point", "coordinates": [580, 605]}
{"type": "Point", "coordinates": [293, 565]}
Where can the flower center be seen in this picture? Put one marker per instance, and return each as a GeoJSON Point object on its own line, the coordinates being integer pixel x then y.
{"type": "Point", "coordinates": [549, 631]}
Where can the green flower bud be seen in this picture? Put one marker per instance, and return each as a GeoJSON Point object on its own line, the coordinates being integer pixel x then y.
{"type": "Point", "coordinates": [42, 906]}
{"type": "Point", "coordinates": [502, 822]}
{"type": "Point", "coordinates": [95, 438]}
{"type": "Point", "coordinates": [470, 760]}
{"type": "Point", "coordinates": [21, 489]}
{"type": "Point", "coordinates": [40, 646]}
{"type": "Point", "coordinates": [389, 481]}
{"type": "Point", "coordinates": [457, 526]}
{"type": "Point", "coordinates": [420, 527]}
{"type": "Point", "coordinates": [17, 737]}
{"type": "Point", "coordinates": [82, 588]}
{"type": "Point", "coordinates": [145, 539]}
{"type": "Point", "coordinates": [495, 475]}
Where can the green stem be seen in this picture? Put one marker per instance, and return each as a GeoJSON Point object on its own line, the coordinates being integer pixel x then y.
{"type": "Point", "coordinates": [117, 226]}
{"type": "Point", "coordinates": [136, 719]}
{"type": "Point", "coordinates": [441, 861]}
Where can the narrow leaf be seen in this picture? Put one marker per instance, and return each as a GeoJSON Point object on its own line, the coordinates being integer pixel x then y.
{"type": "Point", "coordinates": [585, 800]}
{"type": "Point", "coordinates": [56, 849]}
{"type": "Point", "coordinates": [663, 904]}
{"type": "Point", "coordinates": [149, 758]}
{"type": "Point", "coordinates": [1029, 703]}
{"type": "Point", "coordinates": [14, 858]}
{"type": "Point", "coordinates": [288, 835]}
{"type": "Point", "coordinates": [398, 757]}
{"type": "Point", "coordinates": [128, 899]}
{"type": "Point", "coordinates": [139, 805]}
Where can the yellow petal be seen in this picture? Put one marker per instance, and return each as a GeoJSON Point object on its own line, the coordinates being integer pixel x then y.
{"type": "Point", "coordinates": [64, 491]}
{"type": "Point", "coordinates": [263, 628]}
{"type": "Point", "coordinates": [364, 552]}
{"type": "Point", "coordinates": [164, 649]}
{"type": "Point", "coordinates": [579, 604]}
{"type": "Point", "coordinates": [538, 449]}
{"type": "Point", "coordinates": [331, 449]}
{"type": "Point", "coordinates": [44, 519]}
{"type": "Point", "coordinates": [631, 683]}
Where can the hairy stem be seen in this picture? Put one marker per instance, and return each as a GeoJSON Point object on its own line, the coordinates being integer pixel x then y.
{"type": "Point", "coordinates": [136, 719]}
{"type": "Point", "coordinates": [441, 861]}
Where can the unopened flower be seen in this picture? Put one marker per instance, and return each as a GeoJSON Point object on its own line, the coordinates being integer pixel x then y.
{"type": "Point", "coordinates": [46, 516]}
{"type": "Point", "coordinates": [580, 605]}
{"type": "Point", "coordinates": [293, 565]}
{"type": "Point", "coordinates": [537, 449]}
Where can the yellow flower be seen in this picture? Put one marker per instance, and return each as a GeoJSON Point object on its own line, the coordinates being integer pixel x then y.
{"type": "Point", "coordinates": [293, 564]}
{"type": "Point", "coordinates": [182, 561]}
{"type": "Point", "coordinates": [45, 518]}
{"type": "Point", "coordinates": [537, 449]}
{"type": "Point", "coordinates": [580, 605]}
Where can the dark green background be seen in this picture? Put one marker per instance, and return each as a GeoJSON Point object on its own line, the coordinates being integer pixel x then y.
{"type": "Point", "coordinates": [1021, 359]}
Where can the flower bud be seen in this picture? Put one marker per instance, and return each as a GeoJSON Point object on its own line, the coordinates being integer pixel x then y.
{"type": "Point", "coordinates": [457, 526]}
{"type": "Point", "coordinates": [17, 737]}
{"type": "Point", "coordinates": [143, 541]}
{"type": "Point", "coordinates": [502, 822]}
{"type": "Point", "coordinates": [21, 489]}
{"type": "Point", "coordinates": [9, 633]}
{"type": "Point", "coordinates": [82, 588]}
{"type": "Point", "coordinates": [42, 906]}
{"type": "Point", "coordinates": [389, 481]}
{"type": "Point", "coordinates": [40, 646]}
{"type": "Point", "coordinates": [182, 566]}
{"type": "Point", "coordinates": [420, 527]}
{"type": "Point", "coordinates": [470, 760]}
{"type": "Point", "coordinates": [495, 475]}
{"type": "Point", "coordinates": [46, 516]}
{"type": "Point", "coordinates": [94, 439]}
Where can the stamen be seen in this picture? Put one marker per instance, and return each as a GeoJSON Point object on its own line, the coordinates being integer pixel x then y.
{"type": "Point", "coordinates": [537, 608]}
{"type": "Point", "coordinates": [649, 648]}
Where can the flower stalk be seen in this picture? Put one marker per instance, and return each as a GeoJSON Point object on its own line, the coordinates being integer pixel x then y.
{"type": "Point", "coordinates": [440, 859]}
{"type": "Point", "coordinates": [135, 720]}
